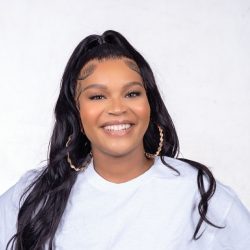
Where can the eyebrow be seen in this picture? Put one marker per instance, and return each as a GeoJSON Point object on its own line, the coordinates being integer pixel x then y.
{"type": "Point", "coordinates": [101, 86]}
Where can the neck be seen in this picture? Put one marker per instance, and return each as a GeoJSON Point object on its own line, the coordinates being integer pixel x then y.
{"type": "Point", "coordinates": [121, 168]}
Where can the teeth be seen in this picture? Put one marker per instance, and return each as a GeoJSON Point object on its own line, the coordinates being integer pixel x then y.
{"type": "Point", "coordinates": [118, 127]}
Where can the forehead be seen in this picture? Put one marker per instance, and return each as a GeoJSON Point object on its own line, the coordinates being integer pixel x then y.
{"type": "Point", "coordinates": [115, 65]}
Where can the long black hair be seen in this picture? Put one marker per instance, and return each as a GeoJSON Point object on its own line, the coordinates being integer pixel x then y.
{"type": "Point", "coordinates": [46, 197]}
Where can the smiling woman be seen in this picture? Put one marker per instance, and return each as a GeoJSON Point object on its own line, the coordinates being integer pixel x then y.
{"type": "Point", "coordinates": [115, 114]}
{"type": "Point", "coordinates": [113, 179]}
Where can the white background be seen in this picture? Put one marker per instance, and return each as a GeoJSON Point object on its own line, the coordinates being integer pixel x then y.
{"type": "Point", "coordinates": [199, 51]}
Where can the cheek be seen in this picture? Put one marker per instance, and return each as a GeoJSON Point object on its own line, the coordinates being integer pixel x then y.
{"type": "Point", "coordinates": [143, 110]}
{"type": "Point", "coordinates": [89, 115]}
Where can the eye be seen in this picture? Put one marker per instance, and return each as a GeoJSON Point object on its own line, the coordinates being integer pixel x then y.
{"type": "Point", "coordinates": [134, 93]}
{"type": "Point", "coordinates": [96, 97]}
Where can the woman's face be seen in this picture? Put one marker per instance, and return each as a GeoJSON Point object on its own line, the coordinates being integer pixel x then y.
{"type": "Point", "coordinates": [113, 106]}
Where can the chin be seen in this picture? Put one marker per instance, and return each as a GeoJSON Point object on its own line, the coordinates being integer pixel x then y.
{"type": "Point", "coordinates": [116, 154]}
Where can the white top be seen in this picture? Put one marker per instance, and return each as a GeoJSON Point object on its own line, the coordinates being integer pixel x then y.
{"type": "Point", "coordinates": [154, 211]}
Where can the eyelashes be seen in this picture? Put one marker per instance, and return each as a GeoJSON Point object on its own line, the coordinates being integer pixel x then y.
{"type": "Point", "coordinates": [96, 97]}
{"type": "Point", "coordinates": [131, 94]}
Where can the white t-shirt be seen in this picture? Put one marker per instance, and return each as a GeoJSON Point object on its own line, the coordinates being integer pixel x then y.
{"type": "Point", "coordinates": [154, 211]}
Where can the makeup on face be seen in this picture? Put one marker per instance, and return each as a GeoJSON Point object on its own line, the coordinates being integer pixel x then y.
{"type": "Point", "coordinates": [113, 104]}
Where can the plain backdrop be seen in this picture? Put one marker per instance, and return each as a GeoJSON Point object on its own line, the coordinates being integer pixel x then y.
{"type": "Point", "coordinates": [199, 51]}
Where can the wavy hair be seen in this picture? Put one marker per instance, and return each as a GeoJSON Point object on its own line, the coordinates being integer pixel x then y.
{"type": "Point", "coordinates": [45, 199]}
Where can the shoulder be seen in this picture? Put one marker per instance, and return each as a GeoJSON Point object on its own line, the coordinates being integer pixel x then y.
{"type": "Point", "coordinates": [14, 193]}
{"type": "Point", "coordinates": [223, 199]}
{"type": "Point", "coordinates": [9, 206]}
{"type": "Point", "coordinates": [225, 207]}
{"type": "Point", "coordinates": [168, 167]}
{"type": "Point", "coordinates": [187, 172]}
{"type": "Point", "coordinates": [227, 210]}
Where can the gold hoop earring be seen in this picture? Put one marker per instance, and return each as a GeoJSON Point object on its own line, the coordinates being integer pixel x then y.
{"type": "Point", "coordinates": [83, 165]}
{"type": "Point", "coordinates": [152, 156]}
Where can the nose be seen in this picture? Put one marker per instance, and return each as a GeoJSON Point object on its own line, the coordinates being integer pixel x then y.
{"type": "Point", "coordinates": [116, 107]}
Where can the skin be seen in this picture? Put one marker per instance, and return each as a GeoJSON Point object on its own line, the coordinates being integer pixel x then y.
{"type": "Point", "coordinates": [108, 90]}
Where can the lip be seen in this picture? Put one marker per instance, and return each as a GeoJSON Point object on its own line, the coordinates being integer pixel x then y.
{"type": "Point", "coordinates": [117, 122]}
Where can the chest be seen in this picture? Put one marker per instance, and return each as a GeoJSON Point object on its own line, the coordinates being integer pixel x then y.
{"type": "Point", "coordinates": [146, 218]}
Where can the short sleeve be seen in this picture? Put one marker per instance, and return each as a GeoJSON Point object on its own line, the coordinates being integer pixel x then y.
{"type": "Point", "coordinates": [9, 207]}
{"type": "Point", "coordinates": [236, 234]}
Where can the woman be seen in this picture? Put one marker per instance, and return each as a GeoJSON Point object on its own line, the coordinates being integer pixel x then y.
{"type": "Point", "coordinates": [113, 180]}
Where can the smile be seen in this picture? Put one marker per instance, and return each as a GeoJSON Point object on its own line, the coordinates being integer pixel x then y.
{"type": "Point", "coordinates": [118, 130]}
{"type": "Point", "coordinates": [117, 127]}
